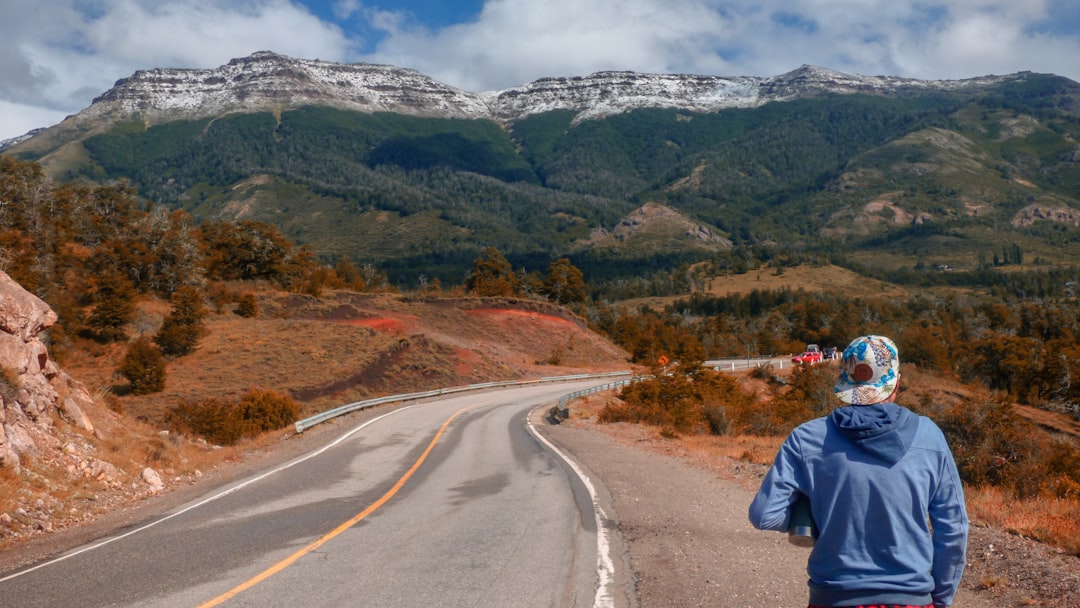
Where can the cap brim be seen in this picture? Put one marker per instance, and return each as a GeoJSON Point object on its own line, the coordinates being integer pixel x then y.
{"type": "Point", "coordinates": [864, 394]}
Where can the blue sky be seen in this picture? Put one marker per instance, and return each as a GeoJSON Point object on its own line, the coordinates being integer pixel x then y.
{"type": "Point", "coordinates": [57, 55]}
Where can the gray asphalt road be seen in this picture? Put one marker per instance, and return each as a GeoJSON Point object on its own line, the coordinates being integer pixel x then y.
{"type": "Point", "coordinates": [449, 503]}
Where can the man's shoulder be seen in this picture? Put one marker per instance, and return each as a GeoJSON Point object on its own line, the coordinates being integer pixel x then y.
{"type": "Point", "coordinates": [928, 434]}
{"type": "Point", "coordinates": [812, 428]}
{"type": "Point", "coordinates": [815, 423]}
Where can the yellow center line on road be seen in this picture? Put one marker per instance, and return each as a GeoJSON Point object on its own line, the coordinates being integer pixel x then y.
{"type": "Point", "coordinates": [278, 567]}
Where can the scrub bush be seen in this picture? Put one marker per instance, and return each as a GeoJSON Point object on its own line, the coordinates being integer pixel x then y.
{"type": "Point", "coordinates": [681, 403]}
{"type": "Point", "coordinates": [143, 367]}
{"type": "Point", "coordinates": [225, 423]}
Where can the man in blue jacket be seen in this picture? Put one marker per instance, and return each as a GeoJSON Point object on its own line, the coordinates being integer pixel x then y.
{"type": "Point", "coordinates": [883, 489]}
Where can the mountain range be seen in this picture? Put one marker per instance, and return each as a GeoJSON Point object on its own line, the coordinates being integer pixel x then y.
{"type": "Point", "coordinates": [268, 81]}
{"type": "Point", "coordinates": [626, 173]}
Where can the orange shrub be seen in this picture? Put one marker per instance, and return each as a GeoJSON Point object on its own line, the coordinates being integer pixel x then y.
{"type": "Point", "coordinates": [809, 394]}
{"type": "Point", "coordinates": [143, 367]}
{"type": "Point", "coordinates": [681, 403]}
{"type": "Point", "coordinates": [266, 411]}
{"type": "Point", "coordinates": [226, 423]}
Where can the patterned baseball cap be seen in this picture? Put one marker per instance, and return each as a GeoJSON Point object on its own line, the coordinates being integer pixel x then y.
{"type": "Point", "coordinates": [869, 371]}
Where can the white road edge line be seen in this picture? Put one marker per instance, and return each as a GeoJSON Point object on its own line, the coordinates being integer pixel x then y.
{"type": "Point", "coordinates": [210, 499]}
{"type": "Point", "coordinates": [605, 566]}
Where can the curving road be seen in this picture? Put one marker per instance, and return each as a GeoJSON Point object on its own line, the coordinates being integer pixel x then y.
{"type": "Point", "coordinates": [452, 502]}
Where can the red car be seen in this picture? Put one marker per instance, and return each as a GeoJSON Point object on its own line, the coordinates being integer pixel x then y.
{"type": "Point", "coordinates": [810, 356]}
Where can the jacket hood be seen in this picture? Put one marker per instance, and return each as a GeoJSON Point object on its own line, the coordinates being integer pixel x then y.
{"type": "Point", "coordinates": [884, 430]}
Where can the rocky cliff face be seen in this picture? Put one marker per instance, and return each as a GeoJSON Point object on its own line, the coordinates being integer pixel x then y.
{"type": "Point", "coordinates": [34, 392]}
{"type": "Point", "coordinates": [268, 81]}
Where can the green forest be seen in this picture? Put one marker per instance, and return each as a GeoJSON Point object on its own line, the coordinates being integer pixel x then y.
{"type": "Point", "coordinates": [949, 171]}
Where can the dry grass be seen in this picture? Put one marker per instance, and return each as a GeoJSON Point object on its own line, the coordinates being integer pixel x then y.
{"type": "Point", "coordinates": [810, 278]}
{"type": "Point", "coordinates": [806, 277]}
{"type": "Point", "coordinates": [728, 456]}
{"type": "Point", "coordinates": [344, 347]}
{"type": "Point", "coordinates": [755, 450]}
{"type": "Point", "coordinates": [140, 445]}
{"type": "Point", "coordinates": [10, 485]}
{"type": "Point", "coordinates": [1055, 521]}
{"type": "Point", "coordinates": [61, 486]}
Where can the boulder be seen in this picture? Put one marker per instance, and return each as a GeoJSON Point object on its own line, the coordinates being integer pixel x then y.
{"type": "Point", "coordinates": [32, 387]}
{"type": "Point", "coordinates": [22, 314]}
{"type": "Point", "coordinates": [153, 479]}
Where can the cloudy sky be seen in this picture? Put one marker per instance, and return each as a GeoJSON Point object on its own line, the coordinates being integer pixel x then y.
{"type": "Point", "coordinates": [57, 55]}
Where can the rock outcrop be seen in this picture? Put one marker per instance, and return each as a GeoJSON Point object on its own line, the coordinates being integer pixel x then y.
{"type": "Point", "coordinates": [663, 226]}
{"type": "Point", "coordinates": [34, 391]}
{"type": "Point", "coordinates": [1058, 214]}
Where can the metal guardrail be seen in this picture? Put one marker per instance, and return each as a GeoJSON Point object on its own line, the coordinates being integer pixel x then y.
{"type": "Point", "coordinates": [307, 423]}
{"type": "Point", "coordinates": [562, 410]}
{"type": "Point", "coordinates": [730, 365]}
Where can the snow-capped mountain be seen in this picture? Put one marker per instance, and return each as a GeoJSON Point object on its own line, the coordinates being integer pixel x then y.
{"type": "Point", "coordinates": [5, 143]}
{"type": "Point", "coordinates": [267, 80]}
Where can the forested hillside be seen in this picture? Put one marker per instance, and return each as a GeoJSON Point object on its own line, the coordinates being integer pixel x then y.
{"type": "Point", "coordinates": [906, 182]}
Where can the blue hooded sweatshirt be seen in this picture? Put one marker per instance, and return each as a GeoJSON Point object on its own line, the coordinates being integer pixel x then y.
{"type": "Point", "coordinates": [887, 501]}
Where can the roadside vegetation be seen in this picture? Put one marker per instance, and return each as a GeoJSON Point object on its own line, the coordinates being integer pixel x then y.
{"type": "Point", "coordinates": [1018, 476]}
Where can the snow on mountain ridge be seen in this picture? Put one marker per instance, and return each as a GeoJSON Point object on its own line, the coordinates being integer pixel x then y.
{"type": "Point", "coordinates": [268, 81]}
{"type": "Point", "coordinates": [841, 82]}
{"type": "Point", "coordinates": [605, 93]}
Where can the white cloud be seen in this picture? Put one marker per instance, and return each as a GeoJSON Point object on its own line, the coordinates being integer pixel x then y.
{"type": "Point", "coordinates": [20, 119]}
{"type": "Point", "coordinates": [344, 9]}
{"type": "Point", "coordinates": [207, 32]}
{"type": "Point", "coordinates": [515, 41]}
{"type": "Point", "coordinates": [59, 54]}
{"type": "Point", "coordinates": [988, 43]}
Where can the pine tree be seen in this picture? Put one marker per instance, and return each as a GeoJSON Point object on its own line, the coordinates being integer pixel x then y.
{"type": "Point", "coordinates": [491, 275]}
{"type": "Point", "coordinates": [113, 309]}
{"type": "Point", "coordinates": [143, 367]}
{"type": "Point", "coordinates": [180, 331]}
{"type": "Point", "coordinates": [564, 283]}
